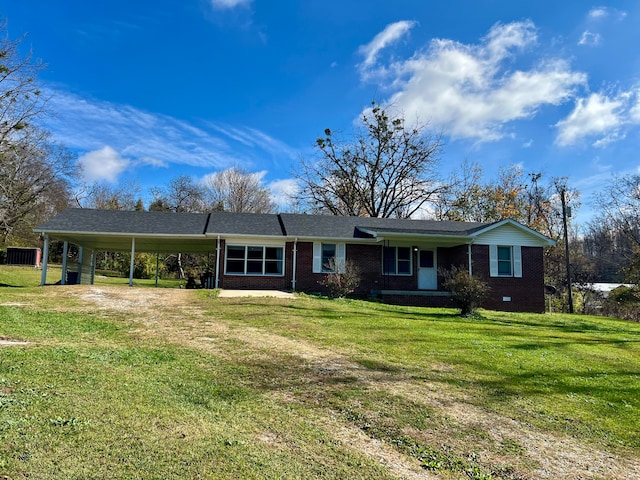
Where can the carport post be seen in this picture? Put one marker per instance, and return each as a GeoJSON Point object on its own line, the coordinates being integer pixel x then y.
{"type": "Point", "coordinates": [65, 254]}
{"type": "Point", "coordinates": [45, 260]}
{"type": "Point", "coordinates": [93, 267]}
{"type": "Point", "coordinates": [133, 252]}
{"type": "Point", "coordinates": [157, 265]}
{"type": "Point", "coordinates": [218, 261]}
{"type": "Point", "coordinates": [80, 264]}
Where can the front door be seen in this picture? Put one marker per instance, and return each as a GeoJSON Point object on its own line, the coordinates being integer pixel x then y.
{"type": "Point", "coordinates": [427, 270]}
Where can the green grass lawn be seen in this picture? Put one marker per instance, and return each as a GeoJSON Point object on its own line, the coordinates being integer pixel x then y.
{"type": "Point", "coordinates": [223, 388]}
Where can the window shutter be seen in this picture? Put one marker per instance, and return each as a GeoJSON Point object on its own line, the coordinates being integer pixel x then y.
{"type": "Point", "coordinates": [493, 260]}
{"type": "Point", "coordinates": [517, 261]}
{"type": "Point", "coordinates": [317, 257]}
{"type": "Point", "coordinates": [341, 257]}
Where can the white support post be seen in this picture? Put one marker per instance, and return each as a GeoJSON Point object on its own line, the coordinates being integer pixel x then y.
{"type": "Point", "coordinates": [65, 255]}
{"type": "Point", "coordinates": [93, 267]}
{"type": "Point", "coordinates": [218, 262]}
{"type": "Point", "coordinates": [133, 252]}
{"type": "Point", "coordinates": [45, 260]}
{"type": "Point", "coordinates": [80, 263]}
{"type": "Point", "coordinates": [295, 264]}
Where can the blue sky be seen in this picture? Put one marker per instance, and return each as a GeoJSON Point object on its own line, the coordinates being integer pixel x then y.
{"type": "Point", "coordinates": [147, 91]}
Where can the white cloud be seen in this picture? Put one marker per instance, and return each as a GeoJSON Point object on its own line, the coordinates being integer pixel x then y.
{"type": "Point", "coordinates": [468, 92]}
{"type": "Point", "coordinates": [392, 33]}
{"type": "Point", "coordinates": [155, 139]}
{"type": "Point", "coordinates": [595, 115]}
{"type": "Point", "coordinates": [104, 164]}
{"type": "Point", "coordinates": [589, 38]}
{"type": "Point", "coordinates": [599, 13]}
{"type": "Point", "coordinates": [282, 191]}
{"type": "Point", "coordinates": [229, 4]}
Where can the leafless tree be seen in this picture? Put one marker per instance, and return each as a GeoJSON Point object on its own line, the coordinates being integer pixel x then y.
{"type": "Point", "coordinates": [35, 182]}
{"type": "Point", "coordinates": [235, 190]}
{"type": "Point", "coordinates": [21, 100]}
{"type": "Point", "coordinates": [105, 196]}
{"type": "Point", "coordinates": [387, 170]}
{"type": "Point", "coordinates": [182, 194]}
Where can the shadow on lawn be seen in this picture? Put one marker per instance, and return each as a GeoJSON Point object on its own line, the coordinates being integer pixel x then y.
{"type": "Point", "coordinates": [11, 286]}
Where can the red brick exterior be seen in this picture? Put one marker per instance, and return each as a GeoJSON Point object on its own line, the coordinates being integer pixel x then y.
{"type": "Point", "coordinates": [525, 294]}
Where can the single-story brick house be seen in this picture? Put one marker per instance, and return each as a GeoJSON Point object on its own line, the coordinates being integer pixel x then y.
{"type": "Point", "coordinates": [398, 259]}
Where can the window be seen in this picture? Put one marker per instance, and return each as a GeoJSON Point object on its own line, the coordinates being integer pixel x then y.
{"type": "Point", "coordinates": [328, 257]}
{"type": "Point", "coordinates": [323, 253]}
{"type": "Point", "coordinates": [396, 261]}
{"type": "Point", "coordinates": [254, 260]}
{"type": "Point", "coordinates": [505, 261]}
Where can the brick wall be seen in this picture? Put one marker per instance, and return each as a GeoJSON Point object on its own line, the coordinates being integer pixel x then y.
{"type": "Point", "coordinates": [526, 294]}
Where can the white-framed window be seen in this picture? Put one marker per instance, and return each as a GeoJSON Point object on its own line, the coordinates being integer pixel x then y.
{"type": "Point", "coordinates": [254, 260]}
{"type": "Point", "coordinates": [505, 261]}
{"type": "Point", "coordinates": [397, 261]}
{"type": "Point", "coordinates": [327, 255]}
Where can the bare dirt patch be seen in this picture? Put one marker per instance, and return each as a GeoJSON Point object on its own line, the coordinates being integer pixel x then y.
{"type": "Point", "coordinates": [175, 316]}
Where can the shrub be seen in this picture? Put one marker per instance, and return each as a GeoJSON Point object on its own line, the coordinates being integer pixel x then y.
{"type": "Point", "coordinates": [340, 282]}
{"type": "Point", "coordinates": [468, 291]}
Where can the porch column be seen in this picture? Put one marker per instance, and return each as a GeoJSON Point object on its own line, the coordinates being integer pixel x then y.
{"type": "Point", "coordinates": [133, 252]}
{"type": "Point", "coordinates": [45, 260]}
{"type": "Point", "coordinates": [65, 254]}
{"type": "Point", "coordinates": [218, 262]}
{"type": "Point", "coordinates": [157, 266]}
{"type": "Point", "coordinates": [295, 264]}
{"type": "Point", "coordinates": [80, 262]}
{"type": "Point", "coordinates": [93, 266]}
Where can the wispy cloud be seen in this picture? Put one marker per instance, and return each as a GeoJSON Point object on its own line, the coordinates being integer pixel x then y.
{"type": "Point", "coordinates": [145, 138]}
{"type": "Point", "coordinates": [589, 38]}
{"type": "Point", "coordinates": [600, 13]}
{"type": "Point", "coordinates": [599, 116]}
{"type": "Point", "coordinates": [229, 4]}
{"type": "Point", "coordinates": [282, 191]}
{"type": "Point", "coordinates": [392, 33]}
{"type": "Point", "coordinates": [470, 91]}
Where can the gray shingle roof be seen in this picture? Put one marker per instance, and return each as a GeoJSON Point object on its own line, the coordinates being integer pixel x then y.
{"type": "Point", "coordinates": [329, 226]}
{"type": "Point", "coordinates": [82, 220]}
{"type": "Point", "coordinates": [244, 224]}
{"type": "Point", "coordinates": [87, 220]}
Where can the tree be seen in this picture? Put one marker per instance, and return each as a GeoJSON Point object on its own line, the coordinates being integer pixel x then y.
{"type": "Point", "coordinates": [35, 173]}
{"type": "Point", "coordinates": [109, 197]}
{"type": "Point", "coordinates": [235, 190]}
{"type": "Point", "coordinates": [619, 206]}
{"type": "Point", "coordinates": [387, 170]}
{"type": "Point", "coordinates": [35, 182]}
{"type": "Point", "coordinates": [182, 194]}
{"type": "Point", "coordinates": [20, 98]}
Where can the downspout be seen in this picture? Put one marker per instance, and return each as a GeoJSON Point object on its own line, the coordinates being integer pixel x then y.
{"type": "Point", "coordinates": [469, 256]}
{"type": "Point", "coordinates": [295, 263]}
{"type": "Point", "coordinates": [218, 262]}
{"type": "Point", "coordinates": [133, 252]}
{"type": "Point", "coordinates": [45, 259]}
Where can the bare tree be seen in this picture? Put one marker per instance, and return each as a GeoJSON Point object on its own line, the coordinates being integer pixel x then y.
{"type": "Point", "coordinates": [35, 181]}
{"type": "Point", "coordinates": [182, 194]}
{"type": "Point", "coordinates": [387, 170]}
{"type": "Point", "coordinates": [110, 197]}
{"type": "Point", "coordinates": [619, 206]}
{"type": "Point", "coordinates": [20, 98]}
{"type": "Point", "coordinates": [235, 190]}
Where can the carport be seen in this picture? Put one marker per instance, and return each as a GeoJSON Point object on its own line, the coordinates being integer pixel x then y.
{"type": "Point", "coordinates": [93, 231]}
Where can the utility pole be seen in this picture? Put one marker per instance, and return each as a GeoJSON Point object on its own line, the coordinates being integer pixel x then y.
{"type": "Point", "coordinates": [566, 244]}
